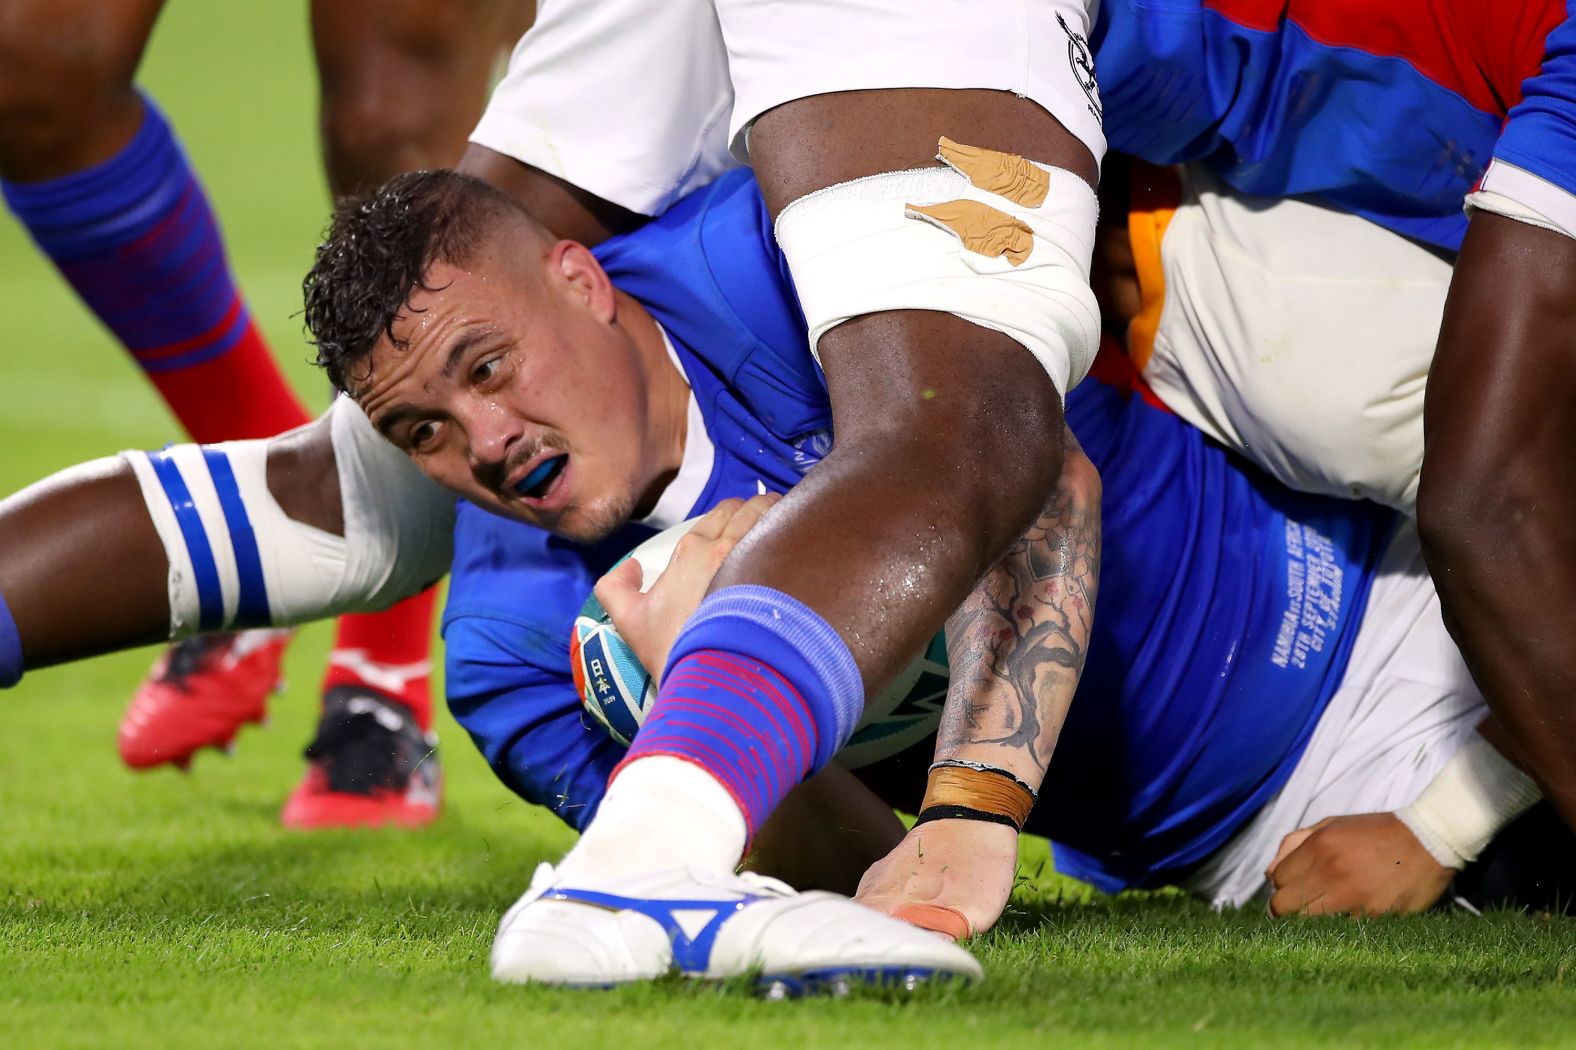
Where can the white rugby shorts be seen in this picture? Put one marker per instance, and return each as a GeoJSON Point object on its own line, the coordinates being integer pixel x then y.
{"type": "Point", "coordinates": [1405, 704]}
{"type": "Point", "coordinates": [639, 102]}
{"type": "Point", "coordinates": [1296, 334]}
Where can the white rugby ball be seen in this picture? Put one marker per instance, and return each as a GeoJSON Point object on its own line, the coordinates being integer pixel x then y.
{"type": "Point", "coordinates": [617, 691]}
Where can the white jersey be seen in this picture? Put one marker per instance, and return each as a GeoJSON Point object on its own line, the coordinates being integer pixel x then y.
{"type": "Point", "coordinates": [640, 103]}
{"type": "Point", "coordinates": [1405, 705]}
{"type": "Point", "coordinates": [1297, 334]}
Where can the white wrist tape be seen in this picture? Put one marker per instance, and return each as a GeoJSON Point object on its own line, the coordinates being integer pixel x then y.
{"type": "Point", "coordinates": [236, 559]}
{"type": "Point", "coordinates": [994, 239]}
{"type": "Point", "coordinates": [1468, 802]}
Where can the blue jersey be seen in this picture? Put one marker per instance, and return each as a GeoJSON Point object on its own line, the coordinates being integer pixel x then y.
{"type": "Point", "coordinates": [709, 272]}
{"type": "Point", "coordinates": [1226, 609]}
{"type": "Point", "coordinates": [1390, 110]}
{"type": "Point", "coordinates": [1226, 613]}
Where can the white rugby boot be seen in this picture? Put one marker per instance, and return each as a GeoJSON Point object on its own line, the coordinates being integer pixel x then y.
{"type": "Point", "coordinates": [710, 926]}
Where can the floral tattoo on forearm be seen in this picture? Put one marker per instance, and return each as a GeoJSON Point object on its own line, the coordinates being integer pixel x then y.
{"type": "Point", "coordinates": [1017, 644]}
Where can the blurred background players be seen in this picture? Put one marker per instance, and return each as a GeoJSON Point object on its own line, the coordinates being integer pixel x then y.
{"type": "Point", "coordinates": [93, 170]}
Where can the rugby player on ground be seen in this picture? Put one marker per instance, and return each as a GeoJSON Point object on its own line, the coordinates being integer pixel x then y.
{"type": "Point", "coordinates": [909, 480]}
{"type": "Point", "coordinates": [1157, 778]}
{"type": "Point", "coordinates": [1243, 91]}
{"type": "Point", "coordinates": [91, 168]}
{"type": "Point", "coordinates": [948, 305]}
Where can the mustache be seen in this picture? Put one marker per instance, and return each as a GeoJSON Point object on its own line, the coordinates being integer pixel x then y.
{"type": "Point", "coordinates": [497, 474]}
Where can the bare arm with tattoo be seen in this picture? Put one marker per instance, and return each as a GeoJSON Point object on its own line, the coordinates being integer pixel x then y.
{"type": "Point", "coordinates": [1017, 645]}
{"type": "Point", "coordinates": [1017, 648]}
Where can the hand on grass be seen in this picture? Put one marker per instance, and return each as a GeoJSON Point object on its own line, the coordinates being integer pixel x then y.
{"type": "Point", "coordinates": [649, 622]}
{"type": "Point", "coordinates": [1368, 864]}
{"type": "Point", "coordinates": [950, 876]}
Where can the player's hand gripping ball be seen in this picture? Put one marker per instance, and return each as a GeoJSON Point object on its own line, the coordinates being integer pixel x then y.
{"type": "Point", "coordinates": [617, 691]}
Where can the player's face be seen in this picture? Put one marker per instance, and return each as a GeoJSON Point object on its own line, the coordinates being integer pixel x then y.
{"type": "Point", "coordinates": [515, 387]}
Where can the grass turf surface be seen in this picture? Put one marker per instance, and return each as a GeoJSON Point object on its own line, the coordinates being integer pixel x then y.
{"type": "Point", "coordinates": [164, 908]}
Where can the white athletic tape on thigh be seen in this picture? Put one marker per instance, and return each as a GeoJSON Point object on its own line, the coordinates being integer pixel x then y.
{"type": "Point", "coordinates": [1468, 802]}
{"type": "Point", "coordinates": [236, 559]}
{"type": "Point", "coordinates": [932, 239]}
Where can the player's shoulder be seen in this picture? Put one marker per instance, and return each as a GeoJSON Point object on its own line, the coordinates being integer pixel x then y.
{"type": "Point", "coordinates": [709, 270]}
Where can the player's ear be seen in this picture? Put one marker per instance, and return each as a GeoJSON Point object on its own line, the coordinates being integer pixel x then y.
{"type": "Point", "coordinates": [584, 279]}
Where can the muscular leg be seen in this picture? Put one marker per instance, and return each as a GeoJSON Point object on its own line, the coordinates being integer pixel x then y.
{"type": "Point", "coordinates": [404, 82]}
{"type": "Point", "coordinates": [948, 443]}
{"type": "Point", "coordinates": [103, 187]}
{"type": "Point", "coordinates": [919, 494]}
{"type": "Point", "coordinates": [84, 570]}
{"type": "Point", "coordinates": [66, 100]}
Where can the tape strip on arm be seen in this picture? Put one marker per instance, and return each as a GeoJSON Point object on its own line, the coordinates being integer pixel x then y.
{"type": "Point", "coordinates": [236, 559]}
{"type": "Point", "coordinates": [992, 238]}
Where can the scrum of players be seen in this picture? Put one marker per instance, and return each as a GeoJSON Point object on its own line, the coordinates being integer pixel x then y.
{"type": "Point", "coordinates": [1315, 615]}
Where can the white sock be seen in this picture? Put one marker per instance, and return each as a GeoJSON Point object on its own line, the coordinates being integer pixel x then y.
{"type": "Point", "coordinates": [659, 813]}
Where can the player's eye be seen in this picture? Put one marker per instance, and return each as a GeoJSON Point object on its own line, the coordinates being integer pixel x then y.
{"type": "Point", "coordinates": [421, 436]}
{"type": "Point", "coordinates": [486, 368]}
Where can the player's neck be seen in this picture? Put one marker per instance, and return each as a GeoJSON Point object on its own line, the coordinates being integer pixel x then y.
{"type": "Point", "coordinates": [667, 391]}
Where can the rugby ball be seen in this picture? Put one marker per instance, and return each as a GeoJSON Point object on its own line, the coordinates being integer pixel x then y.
{"type": "Point", "coordinates": [617, 692]}
{"type": "Point", "coordinates": [613, 686]}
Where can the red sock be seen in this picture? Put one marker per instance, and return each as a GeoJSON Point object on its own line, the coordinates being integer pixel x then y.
{"type": "Point", "coordinates": [388, 651]}
{"type": "Point", "coordinates": [239, 394]}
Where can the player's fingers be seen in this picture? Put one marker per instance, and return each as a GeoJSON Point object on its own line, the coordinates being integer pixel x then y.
{"type": "Point", "coordinates": [1330, 904]}
{"type": "Point", "coordinates": [1289, 863]}
{"type": "Point", "coordinates": [711, 524]}
{"type": "Point", "coordinates": [618, 589]}
{"type": "Point", "coordinates": [747, 515]}
{"type": "Point", "coordinates": [938, 918]}
{"type": "Point", "coordinates": [1294, 899]}
{"type": "Point", "coordinates": [1288, 846]}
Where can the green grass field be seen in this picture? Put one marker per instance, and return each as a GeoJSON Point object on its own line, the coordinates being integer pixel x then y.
{"type": "Point", "coordinates": [169, 909]}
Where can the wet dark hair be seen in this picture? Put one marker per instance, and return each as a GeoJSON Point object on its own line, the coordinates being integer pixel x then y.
{"type": "Point", "coordinates": [377, 251]}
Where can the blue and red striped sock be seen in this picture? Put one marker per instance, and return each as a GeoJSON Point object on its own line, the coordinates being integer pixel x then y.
{"type": "Point", "coordinates": [760, 692]}
{"type": "Point", "coordinates": [137, 240]}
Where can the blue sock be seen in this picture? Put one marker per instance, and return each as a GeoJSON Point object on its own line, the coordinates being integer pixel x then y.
{"type": "Point", "coordinates": [10, 649]}
{"type": "Point", "coordinates": [138, 242]}
{"type": "Point", "coordinates": [139, 211]}
{"type": "Point", "coordinates": [759, 691]}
